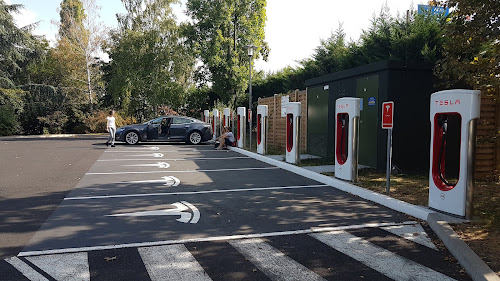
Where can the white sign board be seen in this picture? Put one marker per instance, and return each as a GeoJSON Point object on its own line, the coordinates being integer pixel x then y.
{"type": "Point", "coordinates": [284, 102]}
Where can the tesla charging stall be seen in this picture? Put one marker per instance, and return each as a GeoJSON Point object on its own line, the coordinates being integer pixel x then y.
{"type": "Point", "coordinates": [347, 138]}
{"type": "Point", "coordinates": [215, 122]}
{"type": "Point", "coordinates": [293, 132]}
{"type": "Point", "coordinates": [454, 115]}
{"type": "Point", "coordinates": [241, 111]}
{"type": "Point", "coordinates": [227, 117]}
{"type": "Point", "coordinates": [206, 115]}
{"type": "Point", "coordinates": [262, 113]}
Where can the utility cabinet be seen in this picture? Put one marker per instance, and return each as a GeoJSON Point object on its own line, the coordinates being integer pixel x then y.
{"type": "Point", "coordinates": [408, 84]}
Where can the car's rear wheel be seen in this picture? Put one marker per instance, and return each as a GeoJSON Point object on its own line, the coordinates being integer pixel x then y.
{"type": "Point", "coordinates": [194, 137]}
{"type": "Point", "coordinates": [132, 137]}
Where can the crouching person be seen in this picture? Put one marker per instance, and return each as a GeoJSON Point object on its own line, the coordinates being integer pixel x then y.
{"type": "Point", "coordinates": [226, 139]}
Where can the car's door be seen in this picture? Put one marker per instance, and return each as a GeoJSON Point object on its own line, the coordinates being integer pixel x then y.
{"type": "Point", "coordinates": [179, 127]}
{"type": "Point", "coordinates": [153, 128]}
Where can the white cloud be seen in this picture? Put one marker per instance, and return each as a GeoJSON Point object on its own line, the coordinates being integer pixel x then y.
{"type": "Point", "coordinates": [25, 17]}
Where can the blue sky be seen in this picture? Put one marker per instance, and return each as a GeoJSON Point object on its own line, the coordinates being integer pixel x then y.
{"type": "Point", "coordinates": [294, 27]}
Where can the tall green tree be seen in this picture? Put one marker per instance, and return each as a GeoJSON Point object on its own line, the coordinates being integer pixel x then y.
{"type": "Point", "coordinates": [15, 44]}
{"type": "Point", "coordinates": [151, 65]}
{"type": "Point", "coordinates": [472, 47]}
{"type": "Point", "coordinates": [80, 39]}
{"type": "Point", "coordinates": [219, 34]}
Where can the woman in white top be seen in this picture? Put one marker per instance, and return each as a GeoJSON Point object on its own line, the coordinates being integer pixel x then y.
{"type": "Point", "coordinates": [111, 128]}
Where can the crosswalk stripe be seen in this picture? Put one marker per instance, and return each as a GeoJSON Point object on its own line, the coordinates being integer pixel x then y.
{"type": "Point", "coordinates": [414, 233]}
{"type": "Point", "coordinates": [67, 267]}
{"type": "Point", "coordinates": [378, 258]}
{"type": "Point", "coordinates": [273, 262]}
{"type": "Point", "coordinates": [26, 270]}
{"type": "Point", "coordinates": [172, 262]}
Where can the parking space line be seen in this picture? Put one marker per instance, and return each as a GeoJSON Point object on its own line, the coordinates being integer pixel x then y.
{"type": "Point", "coordinates": [172, 262]}
{"type": "Point", "coordinates": [177, 159]}
{"type": "Point", "coordinates": [186, 171]}
{"type": "Point", "coordinates": [162, 151]}
{"type": "Point", "coordinates": [194, 192]}
{"type": "Point", "coordinates": [272, 262]}
{"type": "Point", "coordinates": [378, 258]}
{"type": "Point", "coordinates": [25, 269]}
{"type": "Point", "coordinates": [211, 239]}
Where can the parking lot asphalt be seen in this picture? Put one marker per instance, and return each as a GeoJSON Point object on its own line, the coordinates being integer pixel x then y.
{"type": "Point", "coordinates": [35, 176]}
{"type": "Point", "coordinates": [215, 215]}
{"type": "Point", "coordinates": [234, 195]}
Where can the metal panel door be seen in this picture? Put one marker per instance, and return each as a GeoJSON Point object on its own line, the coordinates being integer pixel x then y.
{"type": "Point", "coordinates": [317, 121]}
{"type": "Point", "coordinates": [367, 90]}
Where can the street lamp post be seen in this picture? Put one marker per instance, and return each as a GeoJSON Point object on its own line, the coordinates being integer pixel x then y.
{"type": "Point", "coordinates": [250, 56]}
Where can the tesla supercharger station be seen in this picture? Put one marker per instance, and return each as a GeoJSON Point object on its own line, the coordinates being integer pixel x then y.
{"type": "Point", "coordinates": [454, 115]}
{"type": "Point", "coordinates": [293, 132]}
{"type": "Point", "coordinates": [215, 122]}
{"type": "Point", "coordinates": [241, 112]}
{"type": "Point", "coordinates": [227, 117]}
{"type": "Point", "coordinates": [347, 138]}
{"type": "Point", "coordinates": [262, 114]}
{"type": "Point", "coordinates": [206, 115]}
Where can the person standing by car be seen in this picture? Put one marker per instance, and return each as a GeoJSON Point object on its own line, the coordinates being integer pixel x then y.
{"type": "Point", "coordinates": [111, 128]}
{"type": "Point", "coordinates": [226, 139]}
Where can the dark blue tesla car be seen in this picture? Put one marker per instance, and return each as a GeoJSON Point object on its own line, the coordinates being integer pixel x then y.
{"type": "Point", "coordinates": [166, 128]}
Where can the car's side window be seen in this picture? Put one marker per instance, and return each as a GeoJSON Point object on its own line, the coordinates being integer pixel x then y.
{"type": "Point", "coordinates": [156, 121]}
{"type": "Point", "coordinates": [179, 120]}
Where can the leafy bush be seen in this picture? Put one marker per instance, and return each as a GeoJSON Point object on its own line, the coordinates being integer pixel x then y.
{"type": "Point", "coordinates": [11, 106]}
{"type": "Point", "coordinates": [96, 122]}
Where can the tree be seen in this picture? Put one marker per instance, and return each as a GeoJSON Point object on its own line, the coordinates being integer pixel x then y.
{"type": "Point", "coordinates": [413, 37]}
{"type": "Point", "coordinates": [150, 64]}
{"type": "Point", "coordinates": [472, 47]}
{"type": "Point", "coordinates": [219, 34]}
{"type": "Point", "coordinates": [80, 38]}
{"type": "Point", "coordinates": [14, 44]}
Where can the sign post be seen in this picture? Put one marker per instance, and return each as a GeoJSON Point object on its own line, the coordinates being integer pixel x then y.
{"type": "Point", "coordinates": [388, 123]}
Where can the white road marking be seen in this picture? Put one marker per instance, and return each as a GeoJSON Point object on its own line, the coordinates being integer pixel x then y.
{"type": "Point", "coordinates": [156, 155]}
{"type": "Point", "coordinates": [381, 260]}
{"type": "Point", "coordinates": [167, 180]}
{"type": "Point", "coordinates": [194, 192]}
{"type": "Point", "coordinates": [172, 262]}
{"type": "Point", "coordinates": [178, 159]}
{"type": "Point", "coordinates": [162, 165]}
{"type": "Point", "coordinates": [170, 151]}
{"type": "Point", "coordinates": [275, 264]}
{"type": "Point", "coordinates": [180, 210]}
{"type": "Point", "coordinates": [25, 269]}
{"type": "Point", "coordinates": [147, 147]}
{"type": "Point", "coordinates": [414, 233]}
{"type": "Point", "coordinates": [70, 267]}
{"type": "Point", "coordinates": [186, 171]}
{"type": "Point", "coordinates": [209, 239]}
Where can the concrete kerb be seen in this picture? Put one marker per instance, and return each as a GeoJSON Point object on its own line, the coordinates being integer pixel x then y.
{"type": "Point", "coordinates": [474, 266]}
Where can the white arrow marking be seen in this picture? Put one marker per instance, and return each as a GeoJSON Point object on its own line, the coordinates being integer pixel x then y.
{"type": "Point", "coordinates": [162, 165]}
{"type": "Point", "coordinates": [180, 210]}
{"type": "Point", "coordinates": [158, 155]}
{"type": "Point", "coordinates": [149, 148]}
{"type": "Point", "coordinates": [168, 180]}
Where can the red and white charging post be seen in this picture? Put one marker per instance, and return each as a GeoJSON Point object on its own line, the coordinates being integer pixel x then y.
{"type": "Point", "coordinates": [388, 123]}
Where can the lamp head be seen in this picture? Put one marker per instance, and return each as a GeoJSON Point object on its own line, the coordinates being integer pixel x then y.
{"type": "Point", "coordinates": [250, 49]}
